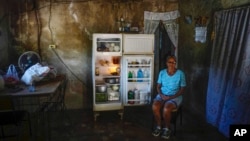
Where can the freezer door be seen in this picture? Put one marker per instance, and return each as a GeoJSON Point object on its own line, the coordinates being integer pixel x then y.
{"type": "Point", "coordinates": [137, 79]}
{"type": "Point", "coordinates": [138, 43]}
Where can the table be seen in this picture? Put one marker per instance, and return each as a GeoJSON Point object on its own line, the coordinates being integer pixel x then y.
{"type": "Point", "coordinates": [45, 90]}
{"type": "Point", "coordinates": [32, 101]}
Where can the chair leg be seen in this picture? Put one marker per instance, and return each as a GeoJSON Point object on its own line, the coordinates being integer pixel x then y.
{"type": "Point", "coordinates": [180, 115]}
{"type": "Point", "coordinates": [174, 128]}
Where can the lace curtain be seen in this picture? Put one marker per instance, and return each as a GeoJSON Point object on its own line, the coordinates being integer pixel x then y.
{"type": "Point", "coordinates": [152, 19]}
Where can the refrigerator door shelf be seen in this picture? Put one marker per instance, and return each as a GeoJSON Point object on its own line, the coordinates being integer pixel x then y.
{"type": "Point", "coordinates": [137, 77]}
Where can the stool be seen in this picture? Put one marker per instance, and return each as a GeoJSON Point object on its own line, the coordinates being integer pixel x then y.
{"type": "Point", "coordinates": [175, 113]}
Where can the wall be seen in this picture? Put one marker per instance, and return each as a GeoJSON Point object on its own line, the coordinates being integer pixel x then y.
{"type": "Point", "coordinates": [35, 24]}
{"type": "Point", "coordinates": [69, 24]}
{"type": "Point", "coordinates": [194, 57]}
{"type": "Point", "coordinates": [3, 35]}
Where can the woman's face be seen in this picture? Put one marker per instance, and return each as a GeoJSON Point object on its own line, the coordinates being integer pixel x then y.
{"type": "Point", "coordinates": [171, 63]}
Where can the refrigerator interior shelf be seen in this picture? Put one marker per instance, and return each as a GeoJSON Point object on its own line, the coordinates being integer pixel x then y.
{"type": "Point", "coordinates": [138, 80]}
{"type": "Point", "coordinates": [111, 76]}
{"type": "Point", "coordinates": [137, 66]}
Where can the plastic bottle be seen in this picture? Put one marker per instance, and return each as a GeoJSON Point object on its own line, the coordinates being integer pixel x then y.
{"type": "Point", "coordinates": [131, 96]}
{"type": "Point", "coordinates": [134, 76]}
{"type": "Point", "coordinates": [146, 75]}
{"type": "Point", "coordinates": [139, 75]}
{"type": "Point", "coordinates": [130, 76]}
{"type": "Point", "coordinates": [137, 96]}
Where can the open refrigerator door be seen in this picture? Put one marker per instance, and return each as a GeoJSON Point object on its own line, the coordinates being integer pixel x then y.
{"type": "Point", "coordinates": [137, 79]}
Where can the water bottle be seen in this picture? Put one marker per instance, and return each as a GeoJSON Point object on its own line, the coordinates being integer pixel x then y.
{"type": "Point", "coordinates": [146, 75]}
{"type": "Point", "coordinates": [134, 76]}
{"type": "Point", "coordinates": [137, 96]}
{"type": "Point", "coordinates": [139, 75]}
{"type": "Point", "coordinates": [32, 87]}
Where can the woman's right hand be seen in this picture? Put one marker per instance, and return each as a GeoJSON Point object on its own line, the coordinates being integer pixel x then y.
{"type": "Point", "coordinates": [165, 97]}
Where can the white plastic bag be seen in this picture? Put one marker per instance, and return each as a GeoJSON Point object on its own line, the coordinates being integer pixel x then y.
{"type": "Point", "coordinates": [35, 73]}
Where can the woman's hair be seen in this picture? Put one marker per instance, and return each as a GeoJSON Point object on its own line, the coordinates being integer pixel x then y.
{"type": "Point", "coordinates": [171, 56]}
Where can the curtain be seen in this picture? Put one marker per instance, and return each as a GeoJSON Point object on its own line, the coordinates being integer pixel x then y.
{"type": "Point", "coordinates": [228, 93]}
{"type": "Point", "coordinates": [152, 19]}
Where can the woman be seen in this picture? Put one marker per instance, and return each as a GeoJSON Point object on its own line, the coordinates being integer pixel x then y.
{"type": "Point", "coordinates": [170, 86]}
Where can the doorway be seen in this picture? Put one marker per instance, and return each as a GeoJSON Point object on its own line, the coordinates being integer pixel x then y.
{"type": "Point", "coordinates": [163, 48]}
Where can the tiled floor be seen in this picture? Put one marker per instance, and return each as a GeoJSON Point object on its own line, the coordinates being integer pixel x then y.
{"type": "Point", "coordinates": [79, 125]}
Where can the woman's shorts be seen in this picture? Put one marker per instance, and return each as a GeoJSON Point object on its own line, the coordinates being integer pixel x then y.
{"type": "Point", "coordinates": [176, 101]}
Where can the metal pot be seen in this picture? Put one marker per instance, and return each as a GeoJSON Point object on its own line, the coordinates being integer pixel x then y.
{"type": "Point", "coordinates": [101, 88]}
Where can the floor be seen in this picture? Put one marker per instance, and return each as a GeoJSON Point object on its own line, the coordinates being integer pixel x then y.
{"type": "Point", "coordinates": [79, 125]}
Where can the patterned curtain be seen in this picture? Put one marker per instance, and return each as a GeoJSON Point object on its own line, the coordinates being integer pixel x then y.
{"type": "Point", "coordinates": [152, 20]}
{"type": "Point", "coordinates": [228, 94]}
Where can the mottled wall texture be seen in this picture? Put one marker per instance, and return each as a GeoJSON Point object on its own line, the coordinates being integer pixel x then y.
{"type": "Point", "coordinates": [69, 24]}
{"type": "Point", "coordinates": [35, 24]}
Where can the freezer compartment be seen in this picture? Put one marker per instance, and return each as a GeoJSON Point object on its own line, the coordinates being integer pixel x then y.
{"type": "Point", "coordinates": [138, 43]}
{"type": "Point", "coordinates": [108, 45]}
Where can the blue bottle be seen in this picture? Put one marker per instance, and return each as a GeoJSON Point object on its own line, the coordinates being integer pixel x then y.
{"type": "Point", "coordinates": [139, 75]}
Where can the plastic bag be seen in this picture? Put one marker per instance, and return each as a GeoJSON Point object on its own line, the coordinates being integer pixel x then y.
{"type": "Point", "coordinates": [11, 76]}
{"type": "Point", "coordinates": [35, 73]}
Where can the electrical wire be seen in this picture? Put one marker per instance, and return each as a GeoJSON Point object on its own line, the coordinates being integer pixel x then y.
{"type": "Point", "coordinates": [38, 29]}
{"type": "Point", "coordinates": [50, 15]}
{"type": "Point", "coordinates": [67, 67]}
{"type": "Point", "coordinates": [52, 41]}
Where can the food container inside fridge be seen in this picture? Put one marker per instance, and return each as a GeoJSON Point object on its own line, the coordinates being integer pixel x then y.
{"type": "Point", "coordinates": [113, 95]}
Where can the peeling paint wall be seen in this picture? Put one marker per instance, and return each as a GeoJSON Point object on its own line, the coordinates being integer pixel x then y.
{"type": "Point", "coordinates": [3, 35]}
{"type": "Point", "coordinates": [69, 24]}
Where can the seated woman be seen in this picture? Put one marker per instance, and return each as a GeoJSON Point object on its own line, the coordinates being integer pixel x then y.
{"type": "Point", "coordinates": [170, 86]}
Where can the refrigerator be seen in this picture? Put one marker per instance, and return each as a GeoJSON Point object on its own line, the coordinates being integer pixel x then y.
{"type": "Point", "coordinates": [138, 62]}
{"type": "Point", "coordinates": [122, 73]}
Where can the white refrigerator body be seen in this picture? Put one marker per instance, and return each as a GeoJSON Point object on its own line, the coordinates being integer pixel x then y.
{"type": "Point", "coordinates": [106, 72]}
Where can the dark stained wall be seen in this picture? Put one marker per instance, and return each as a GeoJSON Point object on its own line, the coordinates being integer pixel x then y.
{"type": "Point", "coordinates": [69, 24]}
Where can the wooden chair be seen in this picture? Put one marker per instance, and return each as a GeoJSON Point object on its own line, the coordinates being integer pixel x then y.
{"type": "Point", "coordinates": [12, 118]}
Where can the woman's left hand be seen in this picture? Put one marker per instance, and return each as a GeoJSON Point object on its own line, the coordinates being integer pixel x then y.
{"type": "Point", "coordinates": [165, 97]}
